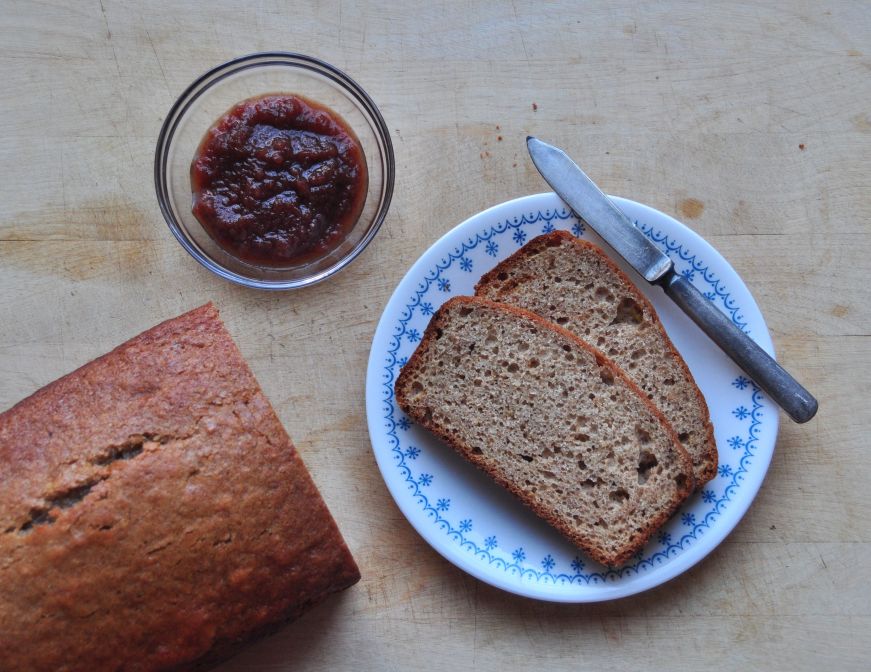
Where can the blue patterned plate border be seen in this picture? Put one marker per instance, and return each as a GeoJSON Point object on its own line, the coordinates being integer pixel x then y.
{"type": "Point", "coordinates": [482, 529]}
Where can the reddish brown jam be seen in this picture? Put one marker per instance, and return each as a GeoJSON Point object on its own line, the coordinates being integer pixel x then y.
{"type": "Point", "coordinates": [279, 180]}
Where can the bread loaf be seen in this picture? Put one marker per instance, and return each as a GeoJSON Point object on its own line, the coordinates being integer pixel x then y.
{"type": "Point", "coordinates": [154, 513]}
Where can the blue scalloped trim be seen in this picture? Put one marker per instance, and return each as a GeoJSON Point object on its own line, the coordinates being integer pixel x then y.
{"type": "Point", "coordinates": [718, 291]}
{"type": "Point", "coordinates": [516, 564]}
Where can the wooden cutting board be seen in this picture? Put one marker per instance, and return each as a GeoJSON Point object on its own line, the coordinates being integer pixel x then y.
{"type": "Point", "coordinates": [751, 123]}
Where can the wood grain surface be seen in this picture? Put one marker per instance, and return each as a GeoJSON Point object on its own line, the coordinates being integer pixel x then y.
{"type": "Point", "coordinates": [750, 122]}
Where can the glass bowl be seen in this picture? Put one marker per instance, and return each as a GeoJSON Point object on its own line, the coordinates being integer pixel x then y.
{"type": "Point", "coordinates": [213, 94]}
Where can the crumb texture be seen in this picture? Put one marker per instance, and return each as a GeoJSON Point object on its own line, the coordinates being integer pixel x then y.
{"type": "Point", "coordinates": [154, 512]}
{"type": "Point", "coordinates": [572, 283]}
{"type": "Point", "coordinates": [550, 419]}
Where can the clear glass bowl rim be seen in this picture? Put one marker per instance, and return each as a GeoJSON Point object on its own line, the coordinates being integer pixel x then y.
{"type": "Point", "coordinates": [255, 60]}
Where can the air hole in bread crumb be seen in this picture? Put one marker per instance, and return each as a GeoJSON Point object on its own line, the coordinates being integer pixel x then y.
{"type": "Point", "coordinates": [618, 495]}
{"type": "Point", "coordinates": [638, 354]}
{"type": "Point", "coordinates": [416, 387]}
{"type": "Point", "coordinates": [465, 311]}
{"type": "Point", "coordinates": [681, 481]}
{"type": "Point", "coordinates": [642, 434]}
{"type": "Point", "coordinates": [582, 438]}
{"type": "Point", "coordinates": [513, 368]}
{"type": "Point", "coordinates": [438, 333]}
{"type": "Point", "coordinates": [562, 320]}
{"type": "Point", "coordinates": [607, 375]}
{"type": "Point", "coordinates": [668, 381]}
{"type": "Point", "coordinates": [502, 276]}
{"type": "Point", "coordinates": [533, 363]}
{"type": "Point", "coordinates": [683, 436]}
{"type": "Point", "coordinates": [628, 312]}
{"type": "Point", "coordinates": [646, 462]}
{"type": "Point", "coordinates": [528, 458]}
{"type": "Point", "coordinates": [477, 451]}
{"type": "Point", "coordinates": [582, 465]}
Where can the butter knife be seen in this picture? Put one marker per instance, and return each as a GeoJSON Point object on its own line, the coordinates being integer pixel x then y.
{"type": "Point", "coordinates": [612, 224]}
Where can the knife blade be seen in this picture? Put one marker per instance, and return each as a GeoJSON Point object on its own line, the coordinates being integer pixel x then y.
{"type": "Point", "coordinates": [589, 202]}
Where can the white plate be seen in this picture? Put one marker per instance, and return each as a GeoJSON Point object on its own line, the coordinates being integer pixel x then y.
{"type": "Point", "coordinates": [481, 528]}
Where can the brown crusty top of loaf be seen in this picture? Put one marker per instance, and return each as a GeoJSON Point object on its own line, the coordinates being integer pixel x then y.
{"type": "Point", "coordinates": [153, 511]}
{"type": "Point", "coordinates": [573, 283]}
{"type": "Point", "coordinates": [552, 420]}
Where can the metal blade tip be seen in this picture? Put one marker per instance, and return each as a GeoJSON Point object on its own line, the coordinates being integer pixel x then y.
{"type": "Point", "coordinates": [530, 137]}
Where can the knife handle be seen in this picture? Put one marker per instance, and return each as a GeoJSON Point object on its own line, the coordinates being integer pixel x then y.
{"type": "Point", "coordinates": [781, 387]}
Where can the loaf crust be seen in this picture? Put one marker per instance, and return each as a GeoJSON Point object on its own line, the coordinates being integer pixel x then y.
{"type": "Point", "coordinates": [526, 279]}
{"type": "Point", "coordinates": [154, 513]}
{"type": "Point", "coordinates": [414, 393]}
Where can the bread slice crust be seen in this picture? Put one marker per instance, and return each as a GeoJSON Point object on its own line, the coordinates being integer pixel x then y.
{"type": "Point", "coordinates": [506, 281]}
{"type": "Point", "coordinates": [405, 397]}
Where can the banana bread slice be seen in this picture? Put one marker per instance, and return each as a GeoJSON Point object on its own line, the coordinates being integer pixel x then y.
{"type": "Point", "coordinates": [552, 420]}
{"type": "Point", "coordinates": [154, 513]}
{"type": "Point", "coordinates": [573, 283]}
